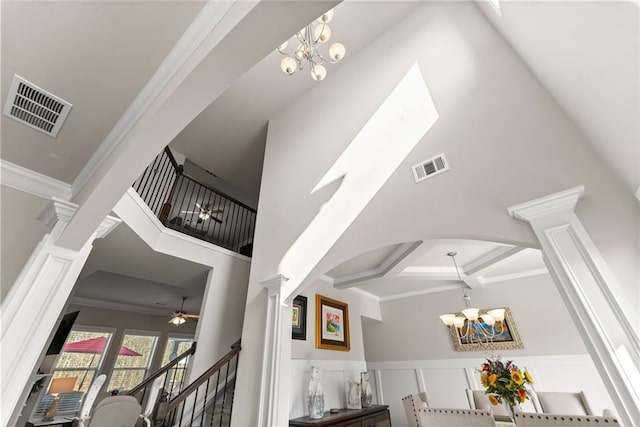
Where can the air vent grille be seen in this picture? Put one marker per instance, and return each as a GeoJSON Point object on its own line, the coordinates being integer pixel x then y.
{"type": "Point", "coordinates": [429, 168]}
{"type": "Point", "coordinates": [35, 107]}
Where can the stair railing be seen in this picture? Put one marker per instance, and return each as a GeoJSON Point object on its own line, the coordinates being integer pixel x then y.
{"type": "Point", "coordinates": [186, 204]}
{"type": "Point", "coordinates": [174, 376]}
{"type": "Point", "coordinates": [207, 401]}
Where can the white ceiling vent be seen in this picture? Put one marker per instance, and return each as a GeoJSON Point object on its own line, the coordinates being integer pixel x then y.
{"type": "Point", "coordinates": [429, 168]}
{"type": "Point", "coordinates": [34, 107]}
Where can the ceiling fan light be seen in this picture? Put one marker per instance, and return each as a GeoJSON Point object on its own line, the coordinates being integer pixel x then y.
{"type": "Point", "coordinates": [177, 320]}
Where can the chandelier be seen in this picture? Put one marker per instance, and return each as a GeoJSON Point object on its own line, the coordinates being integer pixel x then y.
{"type": "Point", "coordinates": [309, 39]}
{"type": "Point", "coordinates": [471, 325]}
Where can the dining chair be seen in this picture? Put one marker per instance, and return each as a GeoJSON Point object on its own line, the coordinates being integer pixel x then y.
{"type": "Point", "coordinates": [411, 404]}
{"type": "Point", "coordinates": [556, 420]}
{"type": "Point", "coordinates": [445, 417]}
{"type": "Point", "coordinates": [116, 411]}
{"type": "Point", "coordinates": [554, 402]}
{"type": "Point", "coordinates": [478, 400]}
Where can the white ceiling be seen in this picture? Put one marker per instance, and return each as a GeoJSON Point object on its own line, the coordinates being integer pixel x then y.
{"type": "Point", "coordinates": [428, 268]}
{"type": "Point", "coordinates": [99, 55]}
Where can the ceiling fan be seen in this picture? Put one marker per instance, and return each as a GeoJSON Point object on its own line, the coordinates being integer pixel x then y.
{"type": "Point", "coordinates": [205, 212]}
{"type": "Point", "coordinates": [179, 317]}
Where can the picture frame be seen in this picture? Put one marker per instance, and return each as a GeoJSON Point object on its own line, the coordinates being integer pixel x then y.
{"type": "Point", "coordinates": [299, 318]}
{"type": "Point", "coordinates": [332, 324]}
{"type": "Point", "coordinates": [507, 340]}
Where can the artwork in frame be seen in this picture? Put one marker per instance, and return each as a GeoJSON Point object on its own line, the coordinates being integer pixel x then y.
{"type": "Point", "coordinates": [507, 336]}
{"type": "Point", "coordinates": [332, 324]}
{"type": "Point", "coordinates": [299, 318]}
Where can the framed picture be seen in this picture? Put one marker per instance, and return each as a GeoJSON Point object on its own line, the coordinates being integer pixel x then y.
{"type": "Point", "coordinates": [299, 318]}
{"type": "Point", "coordinates": [332, 324]}
{"type": "Point", "coordinates": [507, 336]}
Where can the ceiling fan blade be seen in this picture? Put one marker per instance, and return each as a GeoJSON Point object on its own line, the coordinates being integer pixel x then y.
{"type": "Point", "coordinates": [198, 205]}
{"type": "Point", "coordinates": [219, 221]}
{"type": "Point", "coordinates": [217, 211]}
{"type": "Point", "coordinates": [192, 316]}
{"type": "Point", "coordinates": [189, 212]}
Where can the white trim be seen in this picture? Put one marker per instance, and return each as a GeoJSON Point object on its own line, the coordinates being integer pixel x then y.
{"type": "Point", "coordinates": [638, 193]}
{"type": "Point", "coordinates": [32, 182]}
{"type": "Point", "coordinates": [527, 273]}
{"type": "Point", "coordinates": [90, 302]}
{"type": "Point", "coordinates": [394, 258]}
{"type": "Point", "coordinates": [208, 18]}
{"type": "Point", "coordinates": [132, 196]}
{"type": "Point", "coordinates": [379, 391]}
{"type": "Point", "coordinates": [422, 292]}
{"type": "Point", "coordinates": [365, 293]}
{"type": "Point", "coordinates": [557, 202]}
{"type": "Point", "coordinates": [273, 405]}
{"type": "Point", "coordinates": [57, 210]}
{"type": "Point", "coordinates": [491, 258]}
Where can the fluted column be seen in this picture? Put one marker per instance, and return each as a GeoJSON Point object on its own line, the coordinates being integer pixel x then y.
{"type": "Point", "coordinates": [591, 294]}
{"type": "Point", "coordinates": [274, 385]}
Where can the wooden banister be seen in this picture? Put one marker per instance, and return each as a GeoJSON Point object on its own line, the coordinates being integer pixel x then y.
{"type": "Point", "coordinates": [162, 370]}
{"type": "Point", "coordinates": [166, 407]}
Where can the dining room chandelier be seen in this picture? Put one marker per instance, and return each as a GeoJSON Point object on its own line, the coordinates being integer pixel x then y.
{"type": "Point", "coordinates": [307, 53]}
{"type": "Point", "coordinates": [471, 325]}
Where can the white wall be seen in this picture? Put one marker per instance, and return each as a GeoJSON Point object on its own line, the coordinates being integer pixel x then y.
{"type": "Point", "coordinates": [336, 367]}
{"type": "Point", "coordinates": [506, 139]}
{"type": "Point", "coordinates": [411, 330]}
{"type": "Point", "coordinates": [445, 380]}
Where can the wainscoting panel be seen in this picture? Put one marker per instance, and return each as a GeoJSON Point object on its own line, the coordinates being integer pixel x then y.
{"type": "Point", "coordinates": [446, 380]}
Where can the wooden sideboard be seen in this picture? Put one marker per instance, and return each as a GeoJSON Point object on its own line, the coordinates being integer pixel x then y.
{"type": "Point", "coordinates": [373, 416]}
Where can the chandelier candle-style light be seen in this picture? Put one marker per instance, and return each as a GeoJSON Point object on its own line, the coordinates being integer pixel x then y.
{"type": "Point", "coordinates": [309, 38]}
{"type": "Point", "coordinates": [473, 327]}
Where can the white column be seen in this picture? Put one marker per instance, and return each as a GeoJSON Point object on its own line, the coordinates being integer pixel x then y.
{"type": "Point", "coordinates": [35, 302]}
{"type": "Point", "coordinates": [591, 295]}
{"type": "Point", "coordinates": [273, 408]}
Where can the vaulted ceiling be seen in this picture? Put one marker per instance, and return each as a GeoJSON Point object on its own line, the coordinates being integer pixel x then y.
{"type": "Point", "coordinates": [99, 56]}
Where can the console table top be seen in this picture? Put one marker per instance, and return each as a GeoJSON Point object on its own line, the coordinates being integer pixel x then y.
{"type": "Point", "coordinates": [343, 415]}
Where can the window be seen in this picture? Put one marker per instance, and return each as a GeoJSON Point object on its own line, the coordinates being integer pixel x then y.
{"type": "Point", "coordinates": [133, 361]}
{"type": "Point", "coordinates": [81, 358]}
{"type": "Point", "coordinates": [175, 347]}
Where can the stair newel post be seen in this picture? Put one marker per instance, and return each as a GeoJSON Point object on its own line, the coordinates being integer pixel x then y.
{"type": "Point", "coordinates": [161, 408]}
{"type": "Point", "coordinates": [166, 207]}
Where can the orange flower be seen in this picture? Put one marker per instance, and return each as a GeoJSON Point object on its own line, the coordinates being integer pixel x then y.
{"type": "Point", "coordinates": [484, 380]}
{"type": "Point", "coordinates": [516, 376]}
{"type": "Point", "coordinates": [492, 379]}
{"type": "Point", "coordinates": [528, 377]}
{"type": "Point", "coordinates": [494, 400]}
{"type": "Point", "coordinates": [522, 395]}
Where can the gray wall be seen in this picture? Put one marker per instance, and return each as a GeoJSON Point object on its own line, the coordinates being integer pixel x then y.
{"type": "Point", "coordinates": [411, 330]}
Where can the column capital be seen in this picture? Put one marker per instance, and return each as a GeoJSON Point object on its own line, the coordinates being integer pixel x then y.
{"type": "Point", "coordinates": [275, 283]}
{"type": "Point", "coordinates": [57, 210]}
{"type": "Point", "coordinates": [554, 203]}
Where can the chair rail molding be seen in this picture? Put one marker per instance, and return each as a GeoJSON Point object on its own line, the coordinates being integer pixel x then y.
{"type": "Point", "coordinates": [35, 302]}
{"type": "Point", "coordinates": [588, 289]}
{"type": "Point", "coordinates": [273, 407]}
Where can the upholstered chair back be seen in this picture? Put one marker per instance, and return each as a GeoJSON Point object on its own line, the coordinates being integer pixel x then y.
{"type": "Point", "coordinates": [411, 404]}
{"type": "Point", "coordinates": [553, 402]}
{"type": "Point", "coordinates": [555, 420]}
{"type": "Point", "coordinates": [116, 411]}
{"type": "Point", "coordinates": [442, 417]}
{"type": "Point", "coordinates": [478, 400]}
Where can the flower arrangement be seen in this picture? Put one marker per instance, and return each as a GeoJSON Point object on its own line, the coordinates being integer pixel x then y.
{"type": "Point", "coordinates": [504, 382]}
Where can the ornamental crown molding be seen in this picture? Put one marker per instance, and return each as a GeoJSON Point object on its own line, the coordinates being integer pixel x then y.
{"type": "Point", "coordinates": [57, 210]}
{"type": "Point", "coordinates": [107, 226]}
{"type": "Point", "coordinates": [547, 205]}
{"type": "Point", "coordinates": [32, 182]}
{"type": "Point", "coordinates": [275, 283]}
